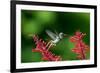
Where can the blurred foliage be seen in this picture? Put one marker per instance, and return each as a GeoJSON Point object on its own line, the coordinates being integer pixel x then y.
{"type": "Point", "coordinates": [36, 22]}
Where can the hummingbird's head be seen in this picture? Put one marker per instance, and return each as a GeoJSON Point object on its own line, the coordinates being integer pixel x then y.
{"type": "Point", "coordinates": [61, 35]}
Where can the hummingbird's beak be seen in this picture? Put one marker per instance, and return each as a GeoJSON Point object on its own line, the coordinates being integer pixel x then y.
{"type": "Point", "coordinates": [65, 35]}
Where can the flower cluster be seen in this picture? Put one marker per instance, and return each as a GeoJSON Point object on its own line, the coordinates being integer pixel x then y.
{"type": "Point", "coordinates": [42, 47]}
{"type": "Point", "coordinates": [80, 47]}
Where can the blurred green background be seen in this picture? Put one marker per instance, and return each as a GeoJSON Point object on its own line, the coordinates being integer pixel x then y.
{"type": "Point", "coordinates": [36, 22]}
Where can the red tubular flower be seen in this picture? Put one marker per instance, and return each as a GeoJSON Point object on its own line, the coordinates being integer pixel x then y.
{"type": "Point", "coordinates": [42, 47]}
{"type": "Point", "coordinates": [80, 47]}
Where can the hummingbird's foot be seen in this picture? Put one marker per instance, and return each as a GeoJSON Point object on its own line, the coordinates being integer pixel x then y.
{"type": "Point", "coordinates": [53, 44]}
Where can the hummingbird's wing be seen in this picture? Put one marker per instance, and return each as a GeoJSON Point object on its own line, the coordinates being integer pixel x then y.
{"type": "Point", "coordinates": [56, 33]}
{"type": "Point", "coordinates": [51, 34]}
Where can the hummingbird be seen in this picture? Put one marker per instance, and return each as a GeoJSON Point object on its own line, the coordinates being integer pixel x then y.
{"type": "Point", "coordinates": [56, 37]}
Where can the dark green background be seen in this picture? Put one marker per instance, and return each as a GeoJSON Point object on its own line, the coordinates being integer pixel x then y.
{"type": "Point", "coordinates": [36, 22]}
